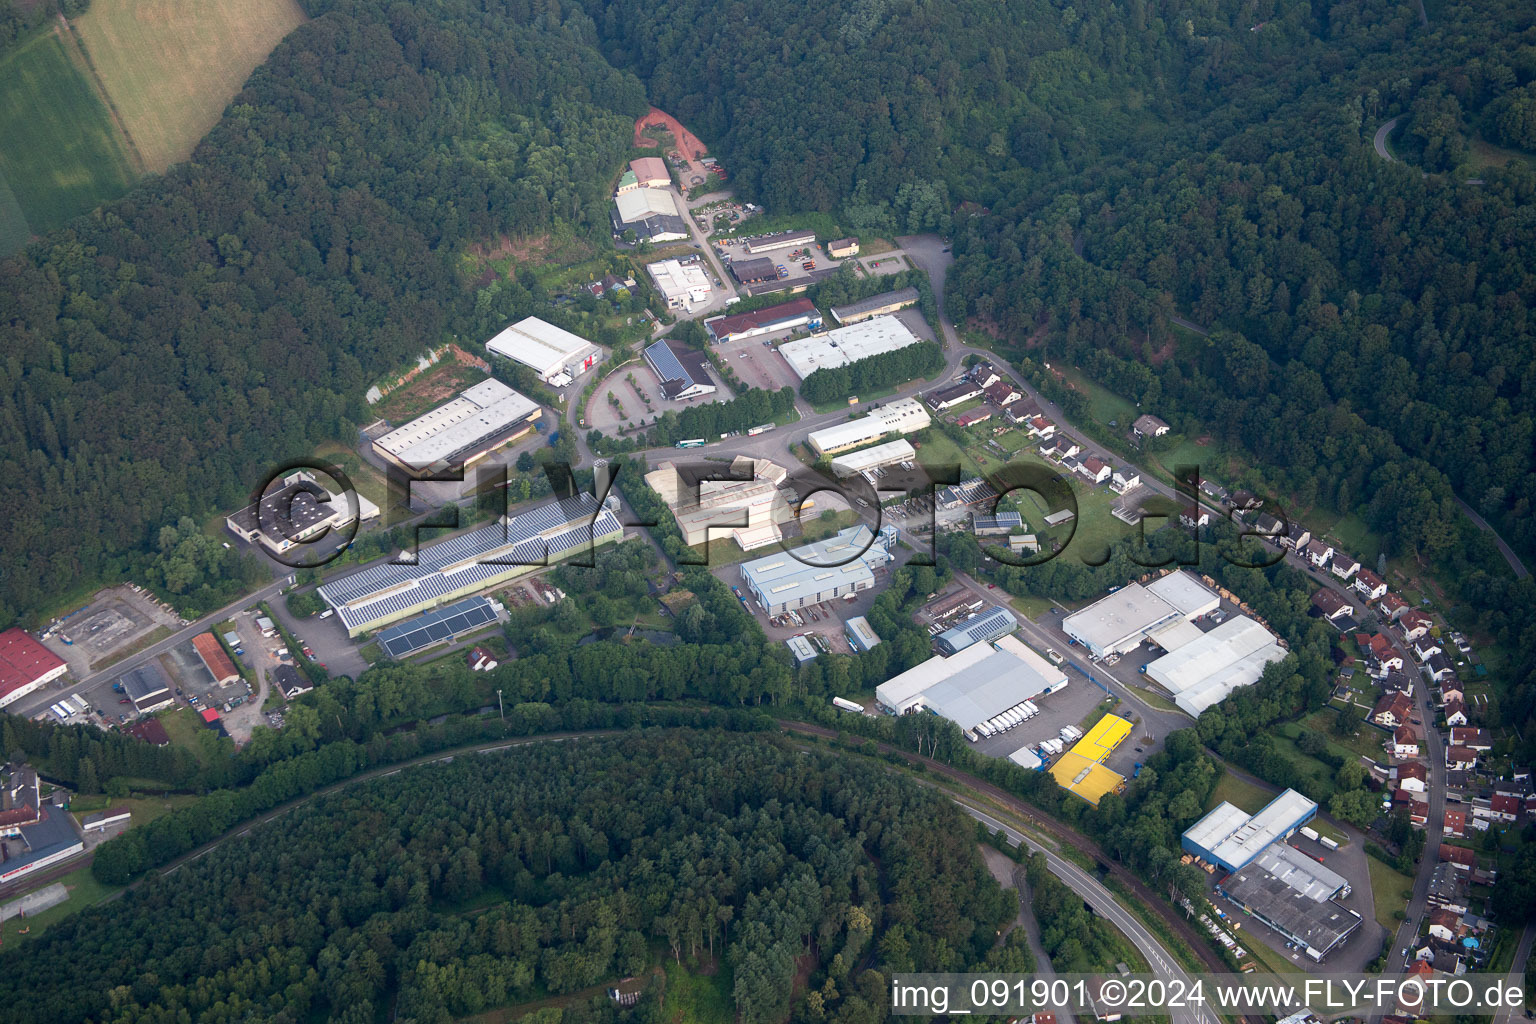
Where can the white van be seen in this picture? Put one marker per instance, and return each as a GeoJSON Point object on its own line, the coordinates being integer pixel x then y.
{"type": "Point", "coordinates": [327, 613]}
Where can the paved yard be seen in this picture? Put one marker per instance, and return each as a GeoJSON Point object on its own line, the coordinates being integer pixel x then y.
{"type": "Point", "coordinates": [758, 363]}
{"type": "Point", "coordinates": [632, 410]}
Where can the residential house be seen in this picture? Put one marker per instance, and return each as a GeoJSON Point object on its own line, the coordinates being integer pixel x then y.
{"type": "Point", "coordinates": [1245, 501]}
{"type": "Point", "coordinates": [985, 375]}
{"type": "Point", "coordinates": [1392, 710]}
{"type": "Point", "coordinates": [1460, 758]}
{"type": "Point", "coordinates": [1414, 624]}
{"type": "Point", "coordinates": [1318, 552]}
{"type": "Point", "coordinates": [1459, 857]}
{"type": "Point", "coordinates": [1455, 713]}
{"type": "Point", "coordinates": [1455, 824]}
{"type": "Point", "coordinates": [1392, 607]}
{"type": "Point", "coordinates": [1213, 490]}
{"type": "Point", "coordinates": [1123, 481]}
{"type": "Point", "coordinates": [1369, 586]}
{"type": "Point", "coordinates": [1448, 889]}
{"type": "Point", "coordinates": [1426, 647]}
{"type": "Point", "coordinates": [1416, 805]}
{"type": "Point", "coordinates": [1471, 738]}
{"type": "Point", "coordinates": [1444, 924]}
{"type": "Point", "coordinates": [1002, 393]}
{"type": "Point", "coordinates": [1041, 427]}
{"type": "Point", "coordinates": [1094, 469]}
{"type": "Point", "coordinates": [1405, 741]}
{"type": "Point", "coordinates": [1384, 653]}
{"type": "Point", "coordinates": [1149, 426]}
{"type": "Point", "coordinates": [1412, 777]}
{"type": "Point", "coordinates": [1506, 807]}
{"type": "Point", "coordinates": [1330, 605]}
{"type": "Point", "coordinates": [956, 394]}
{"type": "Point", "coordinates": [975, 416]}
{"type": "Point", "coordinates": [1272, 528]}
{"type": "Point", "coordinates": [1397, 681]}
{"type": "Point", "coordinates": [1344, 566]}
{"type": "Point", "coordinates": [1440, 667]}
{"type": "Point", "coordinates": [1195, 518]}
{"type": "Point", "coordinates": [1060, 447]}
{"type": "Point", "coordinates": [1451, 692]}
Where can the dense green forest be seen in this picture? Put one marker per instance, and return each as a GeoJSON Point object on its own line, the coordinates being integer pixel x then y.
{"type": "Point", "coordinates": [542, 871]}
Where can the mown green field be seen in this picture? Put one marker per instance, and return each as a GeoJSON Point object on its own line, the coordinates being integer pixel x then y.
{"type": "Point", "coordinates": [14, 230]}
{"type": "Point", "coordinates": [59, 151]}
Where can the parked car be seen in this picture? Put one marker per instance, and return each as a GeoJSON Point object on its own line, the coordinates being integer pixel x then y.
{"type": "Point", "coordinates": [125, 700]}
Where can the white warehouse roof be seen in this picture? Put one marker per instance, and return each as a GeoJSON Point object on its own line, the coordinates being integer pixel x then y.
{"type": "Point", "coordinates": [1235, 837]}
{"type": "Point", "coordinates": [480, 412]}
{"type": "Point", "coordinates": [640, 203]}
{"type": "Point", "coordinates": [1120, 620]}
{"type": "Point", "coordinates": [1205, 671]}
{"type": "Point", "coordinates": [888, 454]}
{"type": "Point", "coordinates": [847, 344]}
{"type": "Point", "coordinates": [976, 684]}
{"type": "Point", "coordinates": [545, 348]}
{"type": "Point", "coordinates": [1185, 592]}
{"type": "Point", "coordinates": [902, 416]}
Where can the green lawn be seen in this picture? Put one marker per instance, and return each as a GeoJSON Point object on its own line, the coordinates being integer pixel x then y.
{"type": "Point", "coordinates": [1240, 793]}
{"type": "Point", "coordinates": [1103, 404]}
{"type": "Point", "coordinates": [1387, 888]}
{"type": "Point", "coordinates": [84, 891]}
{"type": "Point", "coordinates": [62, 155]}
{"type": "Point", "coordinates": [1351, 534]}
{"type": "Point", "coordinates": [1306, 764]}
{"type": "Point", "coordinates": [1366, 741]}
{"type": "Point", "coordinates": [698, 998]}
{"type": "Point", "coordinates": [14, 229]}
{"type": "Point", "coordinates": [1157, 700]}
{"type": "Point", "coordinates": [940, 451]}
{"type": "Point", "coordinates": [1031, 607]}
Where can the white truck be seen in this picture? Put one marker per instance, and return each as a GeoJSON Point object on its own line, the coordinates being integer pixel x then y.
{"type": "Point", "coordinates": [1309, 832]}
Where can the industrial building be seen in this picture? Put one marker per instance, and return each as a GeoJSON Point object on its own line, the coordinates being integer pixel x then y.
{"type": "Point", "coordinates": [1121, 621]}
{"type": "Point", "coordinates": [783, 317]}
{"type": "Point", "coordinates": [217, 661]}
{"type": "Point", "coordinates": [750, 510]}
{"type": "Point", "coordinates": [683, 285]}
{"type": "Point", "coordinates": [983, 628]}
{"type": "Point", "coordinates": [780, 240]}
{"type": "Point", "coordinates": [1231, 838]}
{"type": "Point", "coordinates": [875, 305]}
{"type": "Point", "coordinates": [555, 354]}
{"type": "Point", "coordinates": [801, 649]}
{"type": "Point", "coordinates": [755, 271]}
{"type": "Point", "coordinates": [1206, 670]}
{"type": "Point", "coordinates": [834, 567]}
{"type": "Point", "coordinates": [1081, 770]}
{"type": "Point", "coordinates": [973, 686]}
{"type": "Point", "coordinates": [992, 526]}
{"type": "Point", "coordinates": [861, 636]}
{"type": "Point", "coordinates": [297, 512]}
{"type": "Point", "coordinates": [903, 416]}
{"type": "Point", "coordinates": [892, 453]}
{"type": "Point", "coordinates": [460, 566]}
{"type": "Point", "coordinates": [844, 345]}
{"type": "Point", "coordinates": [650, 172]}
{"type": "Point", "coordinates": [25, 665]}
{"type": "Point", "coordinates": [440, 626]}
{"type": "Point", "coordinates": [148, 687]}
{"type": "Point", "coordinates": [651, 213]}
{"type": "Point", "coordinates": [461, 431]}
{"type": "Point", "coordinates": [1296, 896]}
{"type": "Point", "coordinates": [682, 371]}
{"type": "Point", "coordinates": [40, 834]}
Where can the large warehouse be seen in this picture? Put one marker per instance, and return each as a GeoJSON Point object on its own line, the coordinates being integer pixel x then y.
{"type": "Point", "coordinates": [844, 345]}
{"type": "Point", "coordinates": [839, 565]}
{"type": "Point", "coordinates": [1231, 838]}
{"type": "Point", "coordinates": [555, 354]}
{"type": "Point", "coordinates": [461, 431]}
{"type": "Point", "coordinates": [651, 213]}
{"type": "Point", "coordinates": [750, 511]}
{"type": "Point", "coordinates": [148, 687]}
{"type": "Point", "coordinates": [903, 416]}
{"type": "Point", "coordinates": [892, 453]}
{"type": "Point", "coordinates": [471, 562]}
{"type": "Point", "coordinates": [682, 371]}
{"type": "Point", "coordinates": [781, 240]}
{"type": "Point", "coordinates": [1209, 667]}
{"type": "Point", "coordinates": [875, 305]}
{"type": "Point", "coordinates": [782, 317]}
{"type": "Point", "coordinates": [25, 665]}
{"type": "Point", "coordinates": [1134, 613]}
{"type": "Point", "coordinates": [973, 686]}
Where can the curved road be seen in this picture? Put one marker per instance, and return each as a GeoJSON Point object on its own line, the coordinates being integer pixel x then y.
{"type": "Point", "coordinates": [1380, 142]}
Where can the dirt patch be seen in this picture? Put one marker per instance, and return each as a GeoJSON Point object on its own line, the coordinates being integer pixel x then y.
{"type": "Point", "coordinates": [421, 391]}
{"type": "Point", "coordinates": [686, 145]}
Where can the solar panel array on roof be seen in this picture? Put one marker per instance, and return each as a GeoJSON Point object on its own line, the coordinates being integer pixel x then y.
{"type": "Point", "coordinates": [987, 626]}
{"type": "Point", "coordinates": [436, 626]}
{"type": "Point", "coordinates": [484, 554]}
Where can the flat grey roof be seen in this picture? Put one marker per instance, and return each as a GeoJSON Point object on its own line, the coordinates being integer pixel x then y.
{"type": "Point", "coordinates": [903, 295]}
{"type": "Point", "coordinates": [456, 427]}
{"type": "Point", "coordinates": [1130, 611]}
{"type": "Point", "coordinates": [1314, 880]}
{"type": "Point", "coordinates": [1321, 925]}
{"type": "Point", "coordinates": [145, 681]}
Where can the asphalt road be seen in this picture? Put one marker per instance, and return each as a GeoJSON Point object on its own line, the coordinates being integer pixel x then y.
{"type": "Point", "coordinates": [1380, 141]}
{"type": "Point", "coordinates": [1104, 904]}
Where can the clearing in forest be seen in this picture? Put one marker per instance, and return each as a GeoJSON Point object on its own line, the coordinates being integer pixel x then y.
{"type": "Point", "coordinates": [169, 67]}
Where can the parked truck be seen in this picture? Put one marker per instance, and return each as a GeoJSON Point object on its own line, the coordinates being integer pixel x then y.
{"type": "Point", "coordinates": [1309, 832]}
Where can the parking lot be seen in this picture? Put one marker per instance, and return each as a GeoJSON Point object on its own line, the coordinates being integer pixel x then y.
{"type": "Point", "coordinates": [758, 363]}
{"type": "Point", "coordinates": [113, 622]}
{"type": "Point", "coordinates": [338, 653]}
{"type": "Point", "coordinates": [1062, 708]}
{"type": "Point", "coordinates": [627, 385]}
{"type": "Point", "coordinates": [883, 264]}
